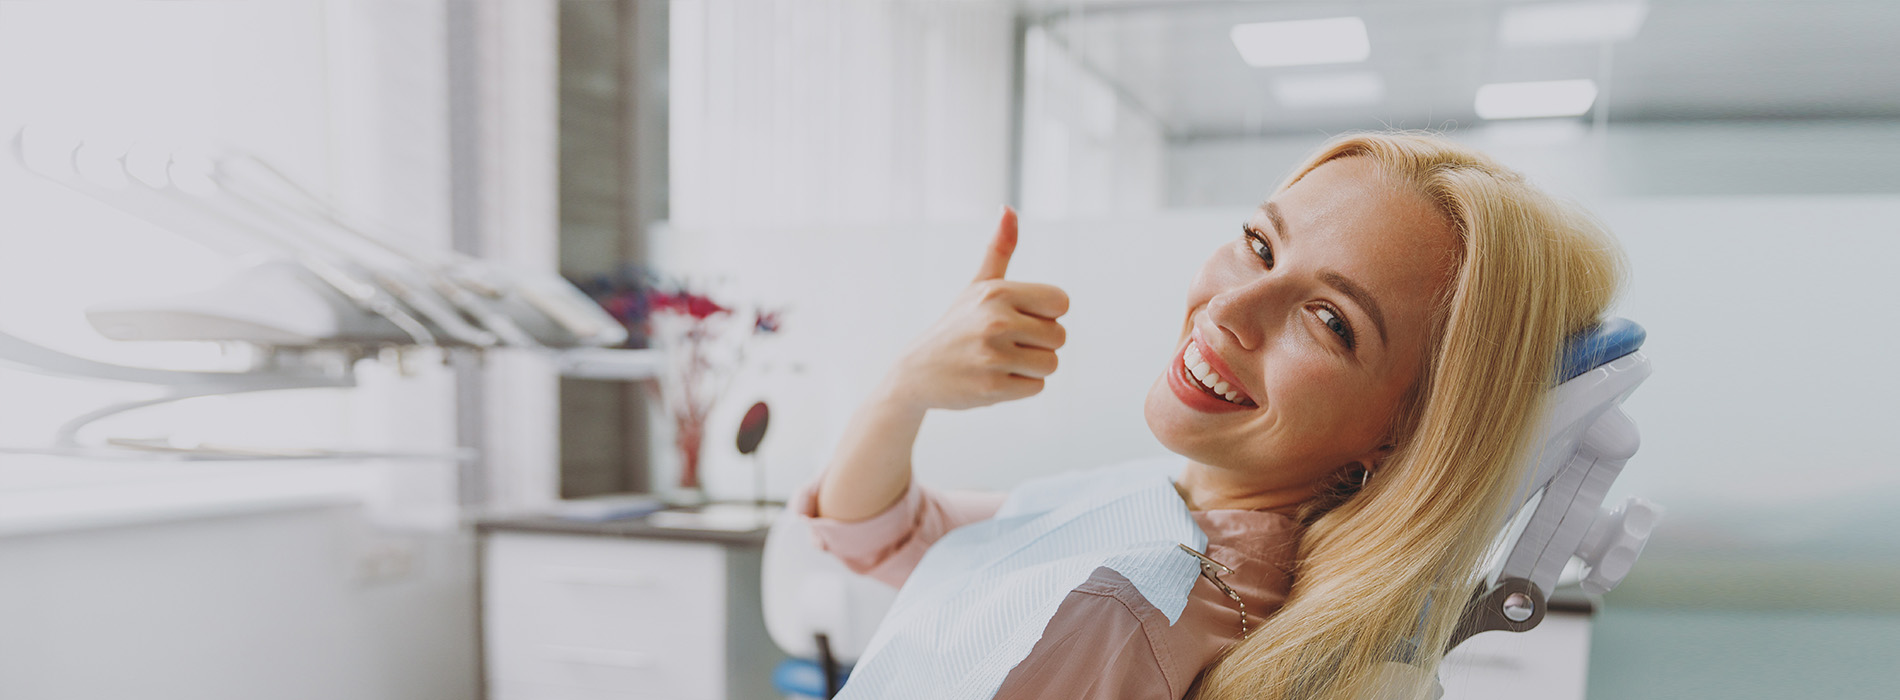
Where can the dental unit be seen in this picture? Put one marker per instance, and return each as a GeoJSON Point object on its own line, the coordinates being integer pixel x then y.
{"type": "Point", "coordinates": [317, 292]}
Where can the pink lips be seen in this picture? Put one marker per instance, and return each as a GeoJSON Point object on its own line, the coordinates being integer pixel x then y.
{"type": "Point", "coordinates": [1214, 360]}
{"type": "Point", "coordinates": [1192, 394]}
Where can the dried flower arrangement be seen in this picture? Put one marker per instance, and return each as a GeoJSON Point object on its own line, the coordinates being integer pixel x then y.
{"type": "Point", "coordinates": [705, 343]}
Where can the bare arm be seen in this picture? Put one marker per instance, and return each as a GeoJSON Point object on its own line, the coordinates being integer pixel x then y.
{"type": "Point", "coordinates": [996, 343]}
{"type": "Point", "coordinates": [871, 468]}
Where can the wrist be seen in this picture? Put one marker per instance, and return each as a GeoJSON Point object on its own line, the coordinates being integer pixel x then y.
{"type": "Point", "coordinates": [891, 395]}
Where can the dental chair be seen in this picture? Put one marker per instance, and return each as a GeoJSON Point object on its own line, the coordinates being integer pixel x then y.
{"type": "Point", "coordinates": [823, 615]}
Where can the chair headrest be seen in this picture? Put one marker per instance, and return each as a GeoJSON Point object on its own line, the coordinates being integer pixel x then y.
{"type": "Point", "coordinates": [1598, 344]}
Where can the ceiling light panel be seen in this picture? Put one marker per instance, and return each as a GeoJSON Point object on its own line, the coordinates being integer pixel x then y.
{"type": "Point", "coordinates": [1556, 24]}
{"type": "Point", "coordinates": [1302, 42]}
{"type": "Point", "coordinates": [1331, 90]}
{"type": "Point", "coordinates": [1548, 98]}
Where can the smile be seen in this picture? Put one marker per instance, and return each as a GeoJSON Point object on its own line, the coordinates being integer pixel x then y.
{"type": "Point", "coordinates": [1208, 378]}
{"type": "Point", "coordinates": [1197, 382]}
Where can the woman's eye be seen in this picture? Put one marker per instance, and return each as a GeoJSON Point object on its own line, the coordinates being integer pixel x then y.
{"type": "Point", "coordinates": [1337, 325]}
{"type": "Point", "coordinates": [1260, 247]}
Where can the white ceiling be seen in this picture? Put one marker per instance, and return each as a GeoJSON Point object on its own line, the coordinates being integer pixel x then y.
{"type": "Point", "coordinates": [1692, 59]}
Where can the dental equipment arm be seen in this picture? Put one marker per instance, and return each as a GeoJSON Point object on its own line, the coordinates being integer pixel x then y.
{"type": "Point", "coordinates": [239, 204]}
{"type": "Point", "coordinates": [318, 292]}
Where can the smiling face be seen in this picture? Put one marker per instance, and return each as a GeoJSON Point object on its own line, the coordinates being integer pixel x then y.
{"type": "Point", "coordinates": [1313, 326]}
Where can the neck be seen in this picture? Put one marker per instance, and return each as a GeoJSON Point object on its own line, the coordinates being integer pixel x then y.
{"type": "Point", "coordinates": [1213, 488]}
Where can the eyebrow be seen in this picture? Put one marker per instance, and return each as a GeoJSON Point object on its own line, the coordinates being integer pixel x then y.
{"type": "Point", "coordinates": [1332, 278]}
{"type": "Point", "coordinates": [1358, 295]}
{"type": "Point", "coordinates": [1273, 215]}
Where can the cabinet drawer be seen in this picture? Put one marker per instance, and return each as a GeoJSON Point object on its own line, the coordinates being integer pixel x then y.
{"type": "Point", "coordinates": [605, 614]}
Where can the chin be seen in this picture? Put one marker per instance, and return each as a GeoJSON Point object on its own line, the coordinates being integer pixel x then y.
{"type": "Point", "coordinates": [1167, 420]}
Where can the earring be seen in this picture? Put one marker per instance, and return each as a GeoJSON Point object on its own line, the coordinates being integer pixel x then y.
{"type": "Point", "coordinates": [1358, 476]}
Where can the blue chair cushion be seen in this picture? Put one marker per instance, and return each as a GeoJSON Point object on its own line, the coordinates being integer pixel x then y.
{"type": "Point", "coordinates": [1599, 344]}
{"type": "Point", "coordinates": [803, 678]}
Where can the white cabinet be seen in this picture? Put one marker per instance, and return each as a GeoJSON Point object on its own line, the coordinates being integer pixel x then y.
{"type": "Point", "coordinates": [586, 616]}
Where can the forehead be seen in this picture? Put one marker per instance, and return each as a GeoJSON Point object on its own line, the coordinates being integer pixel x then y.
{"type": "Point", "coordinates": [1348, 216]}
{"type": "Point", "coordinates": [1351, 200]}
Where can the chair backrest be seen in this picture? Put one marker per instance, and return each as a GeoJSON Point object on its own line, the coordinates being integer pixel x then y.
{"type": "Point", "coordinates": [1581, 448]}
{"type": "Point", "coordinates": [1583, 444]}
{"type": "Point", "coordinates": [808, 592]}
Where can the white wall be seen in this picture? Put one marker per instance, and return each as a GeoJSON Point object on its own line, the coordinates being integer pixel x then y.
{"type": "Point", "coordinates": [1086, 151]}
{"type": "Point", "coordinates": [800, 132]}
{"type": "Point", "coordinates": [837, 112]}
{"type": "Point", "coordinates": [1771, 326]}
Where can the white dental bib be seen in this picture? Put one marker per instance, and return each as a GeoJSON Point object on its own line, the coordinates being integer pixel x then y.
{"type": "Point", "coordinates": [980, 598]}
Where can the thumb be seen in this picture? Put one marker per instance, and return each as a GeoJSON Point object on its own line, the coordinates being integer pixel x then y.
{"type": "Point", "coordinates": [996, 259]}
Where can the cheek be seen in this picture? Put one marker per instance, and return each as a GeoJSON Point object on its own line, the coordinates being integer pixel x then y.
{"type": "Point", "coordinates": [1217, 274]}
{"type": "Point", "coordinates": [1326, 406]}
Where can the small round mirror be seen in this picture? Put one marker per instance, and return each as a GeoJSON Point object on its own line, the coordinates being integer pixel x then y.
{"type": "Point", "coordinates": [752, 428]}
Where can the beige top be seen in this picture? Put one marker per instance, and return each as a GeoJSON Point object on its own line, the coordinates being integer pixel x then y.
{"type": "Point", "coordinates": [1106, 641]}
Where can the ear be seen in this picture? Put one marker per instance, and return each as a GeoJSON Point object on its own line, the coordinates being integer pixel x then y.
{"type": "Point", "coordinates": [1371, 459]}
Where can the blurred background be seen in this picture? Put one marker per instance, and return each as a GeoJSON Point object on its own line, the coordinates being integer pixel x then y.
{"type": "Point", "coordinates": [832, 169]}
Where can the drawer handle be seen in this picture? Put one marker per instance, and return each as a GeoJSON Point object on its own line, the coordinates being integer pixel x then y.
{"type": "Point", "coordinates": [582, 576]}
{"type": "Point", "coordinates": [599, 657]}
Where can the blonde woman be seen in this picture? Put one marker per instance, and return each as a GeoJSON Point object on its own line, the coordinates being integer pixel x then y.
{"type": "Point", "coordinates": [1355, 381]}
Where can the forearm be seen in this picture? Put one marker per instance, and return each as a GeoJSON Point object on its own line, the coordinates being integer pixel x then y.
{"type": "Point", "coordinates": [871, 468]}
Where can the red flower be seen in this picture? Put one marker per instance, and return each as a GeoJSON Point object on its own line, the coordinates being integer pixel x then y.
{"type": "Point", "coordinates": [688, 303]}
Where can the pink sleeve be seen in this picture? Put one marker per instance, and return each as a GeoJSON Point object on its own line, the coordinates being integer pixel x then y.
{"type": "Point", "coordinates": [888, 545]}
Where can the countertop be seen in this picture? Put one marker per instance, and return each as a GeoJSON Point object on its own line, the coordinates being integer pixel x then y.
{"type": "Point", "coordinates": [642, 527]}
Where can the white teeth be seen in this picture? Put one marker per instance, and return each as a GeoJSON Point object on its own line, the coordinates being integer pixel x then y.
{"type": "Point", "coordinates": [1204, 373]}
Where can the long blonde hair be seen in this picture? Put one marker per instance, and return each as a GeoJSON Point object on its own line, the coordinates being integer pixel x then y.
{"type": "Point", "coordinates": [1385, 574]}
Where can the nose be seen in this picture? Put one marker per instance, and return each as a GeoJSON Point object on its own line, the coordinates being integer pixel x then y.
{"type": "Point", "coordinates": [1244, 312]}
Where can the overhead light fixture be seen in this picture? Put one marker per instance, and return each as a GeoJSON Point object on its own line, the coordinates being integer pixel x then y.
{"type": "Point", "coordinates": [1302, 42]}
{"type": "Point", "coordinates": [1560, 23]}
{"type": "Point", "coordinates": [1332, 90]}
{"type": "Point", "coordinates": [1548, 98]}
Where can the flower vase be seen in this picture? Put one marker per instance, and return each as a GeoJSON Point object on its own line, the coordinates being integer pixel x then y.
{"type": "Point", "coordinates": [686, 490]}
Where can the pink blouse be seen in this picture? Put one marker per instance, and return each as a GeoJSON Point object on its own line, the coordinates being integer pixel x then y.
{"type": "Point", "coordinates": [1106, 642]}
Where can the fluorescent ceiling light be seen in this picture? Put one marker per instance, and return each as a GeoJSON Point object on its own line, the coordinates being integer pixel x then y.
{"type": "Point", "coordinates": [1302, 42]}
{"type": "Point", "coordinates": [1334, 90]}
{"type": "Point", "coordinates": [1571, 23]}
{"type": "Point", "coordinates": [1549, 98]}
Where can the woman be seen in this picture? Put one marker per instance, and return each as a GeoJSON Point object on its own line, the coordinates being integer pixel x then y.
{"type": "Point", "coordinates": [1355, 382]}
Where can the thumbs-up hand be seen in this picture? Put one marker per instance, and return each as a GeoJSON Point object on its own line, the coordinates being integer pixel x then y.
{"type": "Point", "coordinates": [996, 343]}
